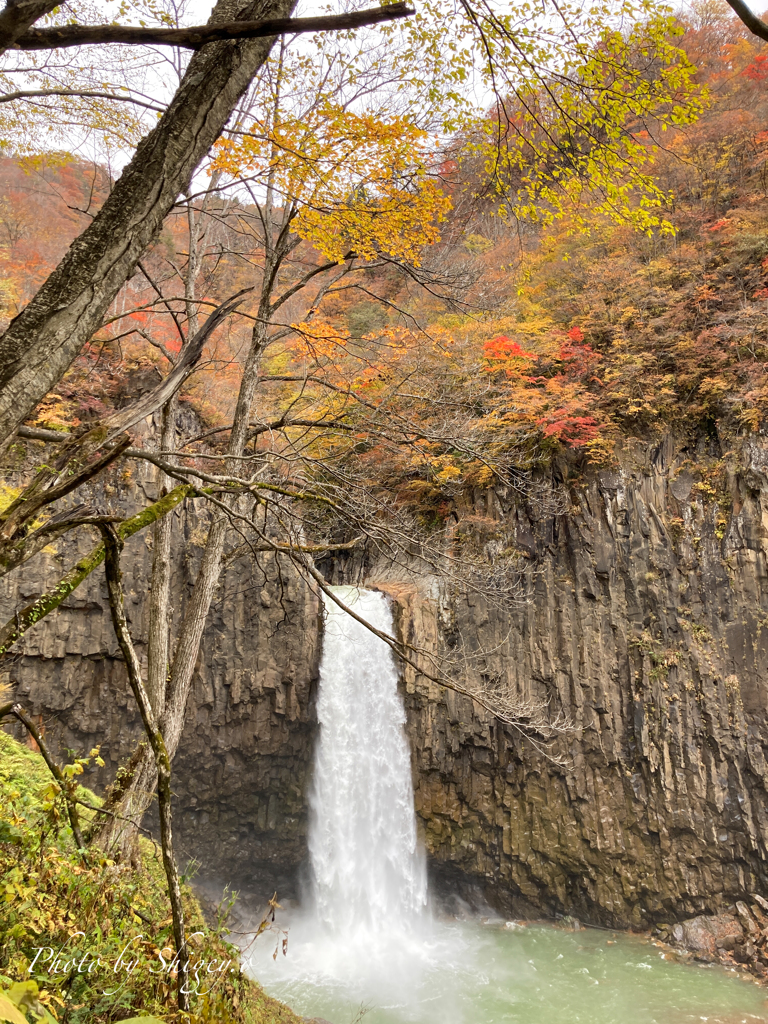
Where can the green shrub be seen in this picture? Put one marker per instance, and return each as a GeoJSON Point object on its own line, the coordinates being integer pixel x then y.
{"type": "Point", "coordinates": [79, 914]}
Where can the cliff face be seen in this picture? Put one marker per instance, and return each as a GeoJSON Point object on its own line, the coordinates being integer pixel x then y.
{"type": "Point", "coordinates": [241, 769]}
{"type": "Point", "coordinates": [645, 620]}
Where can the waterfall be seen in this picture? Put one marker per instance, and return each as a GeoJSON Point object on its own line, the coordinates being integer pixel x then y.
{"type": "Point", "coordinates": [368, 871]}
{"type": "Point", "coordinates": [366, 946]}
{"type": "Point", "coordinates": [365, 938]}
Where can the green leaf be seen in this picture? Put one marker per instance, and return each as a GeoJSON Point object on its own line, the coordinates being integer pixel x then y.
{"type": "Point", "coordinates": [23, 996]}
{"type": "Point", "coordinates": [138, 1020]}
{"type": "Point", "coordinates": [11, 1013]}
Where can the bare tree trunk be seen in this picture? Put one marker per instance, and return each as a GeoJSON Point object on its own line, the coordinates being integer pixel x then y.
{"type": "Point", "coordinates": [162, 761]}
{"type": "Point", "coordinates": [16, 18]}
{"type": "Point", "coordinates": [158, 646]}
{"type": "Point", "coordinates": [160, 607]}
{"type": "Point", "coordinates": [132, 792]}
{"type": "Point", "coordinates": [44, 338]}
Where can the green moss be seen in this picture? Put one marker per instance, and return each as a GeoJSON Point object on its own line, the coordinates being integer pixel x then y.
{"type": "Point", "coordinates": [32, 614]}
{"type": "Point", "coordinates": [47, 896]}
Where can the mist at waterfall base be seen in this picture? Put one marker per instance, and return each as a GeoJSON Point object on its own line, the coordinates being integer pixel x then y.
{"type": "Point", "coordinates": [366, 946]}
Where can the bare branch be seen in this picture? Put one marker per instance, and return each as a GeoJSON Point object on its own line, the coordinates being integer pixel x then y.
{"type": "Point", "coordinates": [30, 94]}
{"type": "Point", "coordinates": [124, 419]}
{"type": "Point", "coordinates": [755, 25]}
{"type": "Point", "coordinates": [158, 345]}
{"type": "Point", "coordinates": [41, 434]}
{"type": "Point", "coordinates": [21, 620]}
{"type": "Point", "coordinates": [84, 457]}
{"type": "Point", "coordinates": [199, 35]}
{"type": "Point", "coordinates": [34, 732]}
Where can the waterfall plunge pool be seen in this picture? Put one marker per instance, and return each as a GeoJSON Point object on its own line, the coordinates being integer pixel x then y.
{"type": "Point", "coordinates": [365, 947]}
{"type": "Point", "coordinates": [469, 973]}
{"type": "Point", "coordinates": [465, 972]}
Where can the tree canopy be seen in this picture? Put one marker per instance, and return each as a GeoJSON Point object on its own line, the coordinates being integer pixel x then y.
{"type": "Point", "coordinates": [572, 77]}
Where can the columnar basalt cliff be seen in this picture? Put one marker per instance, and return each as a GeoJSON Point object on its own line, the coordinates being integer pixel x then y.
{"type": "Point", "coordinates": [644, 619]}
{"type": "Point", "coordinates": [645, 622]}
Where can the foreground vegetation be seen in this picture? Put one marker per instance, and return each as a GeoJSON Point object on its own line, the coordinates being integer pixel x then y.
{"type": "Point", "coordinates": [49, 897]}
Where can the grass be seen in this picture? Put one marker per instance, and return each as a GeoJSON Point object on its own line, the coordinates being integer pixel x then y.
{"type": "Point", "coordinates": [102, 927]}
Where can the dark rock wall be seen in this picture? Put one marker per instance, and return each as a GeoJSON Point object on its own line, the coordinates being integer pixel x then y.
{"type": "Point", "coordinates": [645, 620]}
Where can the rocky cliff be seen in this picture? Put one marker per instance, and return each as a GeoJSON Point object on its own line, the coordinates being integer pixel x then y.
{"type": "Point", "coordinates": [643, 618]}
{"type": "Point", "coordinates": [242, 766]}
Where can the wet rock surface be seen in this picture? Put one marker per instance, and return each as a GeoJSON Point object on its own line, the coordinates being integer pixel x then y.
{"type": "Point", "coordinates": [737, 938]}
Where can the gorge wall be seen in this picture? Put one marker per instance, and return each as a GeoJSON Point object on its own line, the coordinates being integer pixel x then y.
{"type": "Point", "coordinates": [242, 766]}
{"type": "Point", "coordinates": [645, 622]}
{"type": "Point", "coordinates": [644, 619]}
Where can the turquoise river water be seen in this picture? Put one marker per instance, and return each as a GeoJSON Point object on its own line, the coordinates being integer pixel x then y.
{"type": "Point", "coordinates": [470, 973]}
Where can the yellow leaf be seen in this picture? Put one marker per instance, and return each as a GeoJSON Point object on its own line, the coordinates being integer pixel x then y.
{"type": "Point", "coordinates": [139, 1020]}
{"type": "Point", "coordinates": [9, 1012]}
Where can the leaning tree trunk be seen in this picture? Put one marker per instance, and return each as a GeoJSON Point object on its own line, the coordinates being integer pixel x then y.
{"type": "Point", "coordinates": [19, 15]}
{"type": "Point", "coordinates": [41, 342]}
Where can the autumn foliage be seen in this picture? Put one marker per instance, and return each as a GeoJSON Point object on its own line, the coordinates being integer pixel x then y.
{"type": "Point", "coordinates": [491, 349]}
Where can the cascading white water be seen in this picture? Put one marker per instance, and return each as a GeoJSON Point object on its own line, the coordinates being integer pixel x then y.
{"type": "Point", "coordinates": [366, 935]}
{"type": "Point", "coordinates": [368, 872]}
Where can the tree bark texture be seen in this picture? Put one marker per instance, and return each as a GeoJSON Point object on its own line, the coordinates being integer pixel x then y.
{"type": "Point", "coordinates": [744, 12]}
{"type": "Point", "coordinates": [16, 18]}
{"type": "Point", "coordinates": [159, 753]}
{"type": "Point", "coordinates": [41, 342]}
{"type": "Point", "coordinates": [199, 35]}
{"type": "Point", "coordinates": [158, 641]}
